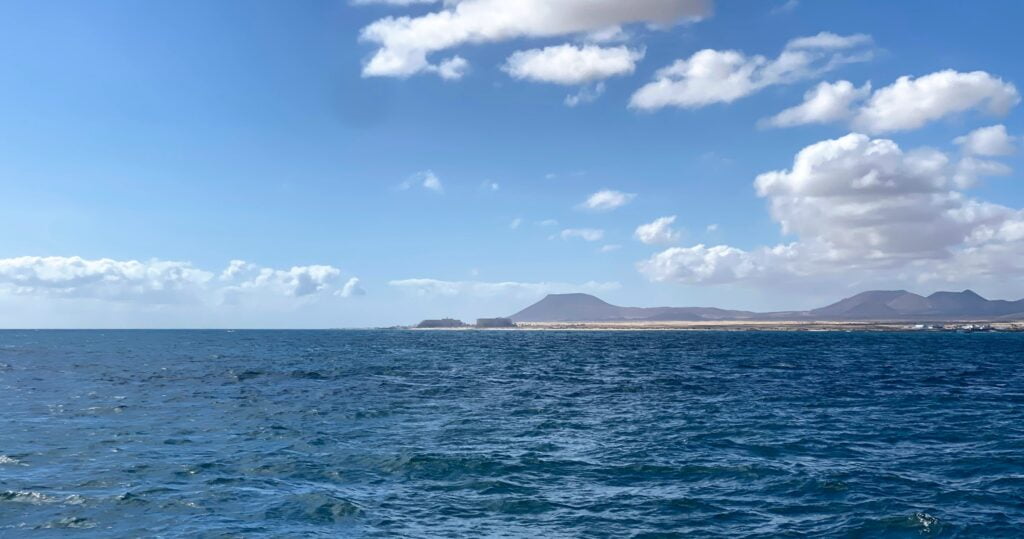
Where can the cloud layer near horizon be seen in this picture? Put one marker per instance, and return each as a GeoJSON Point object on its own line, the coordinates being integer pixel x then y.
{"type": "Point", "coordinates": [164, 282]}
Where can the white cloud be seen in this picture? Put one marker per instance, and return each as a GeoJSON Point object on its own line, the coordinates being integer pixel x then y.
{"type": "Point", "coordinates": [911, 103]}
{"type": "Point", "coordinates": [608, 35]}
{"type": "Point", "coordinates": [434, 287]}
{"type": "Point", "coordinates": [432, 182]}
{"type": "Point", "coordinates": [712, 76]}
{"type": "Point", "coordinates": [786, 7]}
{"type": "Point", "coordinates": [351, 288]}
{"type": "Point", "coordinates": [825, 103]}
{"type": "Point", "coordinates": [489, 185]}
{"type": "Point", "coordinates": [515, 223]}
{"type": "Point", "coordinates": [548, 222]}
{"type": "Point", "coordinates": [405, 43]}
{"type": "Point", "coordinates": [154, 281]}
{"type": "Point", "coordinates": [606, 199]}
{"type": "Point", "coordinates": [863, 209]}
{"type": "Point", "coordinates": [392, 2]}
{"type": "Point", "coordinates": [234, 269]}
{"type": "Point", "coordinates": [587, 94]}
{"type": "Point", "coordinates": [585, 234]}
{"type": "Point", "coordinates": [970, 170]}
{"type": "Point", "coordinates": [609, 248]}
{"type": "Point", "coordinates": [699, 264]}
{"type": "Point", "coordinates": [658, 231]}
{"type": "Point", "coordinates": [572, 64]}
{"type": "Point", "coordinates": [425, 179]}
{"type": "Point", "coordinates": [988, 141]}
{"type": "Point", "coordinates": [297, 281]}
{"type": "Point", "coordinates": [712, 228]}
{"type": "Point", "coordinates": [453, 68]}
{"type": "Point", "coordinates": [905, 104]}
{"type": "Point", "coordinates": [830, 41]}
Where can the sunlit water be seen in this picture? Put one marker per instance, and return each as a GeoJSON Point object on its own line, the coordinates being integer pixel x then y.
{"type": "Point", "coordinates": [495, 434]}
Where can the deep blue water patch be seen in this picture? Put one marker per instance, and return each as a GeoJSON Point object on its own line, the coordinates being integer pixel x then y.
{"type": "Point", "coordinates": [531, 434]}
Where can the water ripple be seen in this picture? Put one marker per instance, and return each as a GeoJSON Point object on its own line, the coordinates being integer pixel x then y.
{"type": "Point", "coordinates": [508, 434]}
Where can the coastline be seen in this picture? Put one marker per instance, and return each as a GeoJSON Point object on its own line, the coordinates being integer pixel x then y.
{"type": "Point", "coordinates": [748, 325]}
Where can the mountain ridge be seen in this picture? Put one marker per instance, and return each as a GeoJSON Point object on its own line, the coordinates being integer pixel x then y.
{"type": "Point", "coordinates": [873, 305]}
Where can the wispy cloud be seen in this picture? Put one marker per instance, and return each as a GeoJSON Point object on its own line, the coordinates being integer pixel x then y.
{"type": "Point", "coordinates": [425, 179]}
{"type": "Point", "coordinates": [606, 200]}
{"type": "Point", "coordinates": [585, 234]}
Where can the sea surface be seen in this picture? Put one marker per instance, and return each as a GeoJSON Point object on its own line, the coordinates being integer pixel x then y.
{"type": "Point", "coordinates": [510, 434]}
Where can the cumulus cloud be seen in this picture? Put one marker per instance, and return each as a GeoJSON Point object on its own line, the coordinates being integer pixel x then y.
{"type": "Point", "coordinates": [585, 234]}
{"type": "Point", "coordinates": [155, 281]}
{"type": "Point", "coordinates": [910, 103]}
{"type": "Point", "coordinates": [861, 207]}
{"type": "Point", "coordinates": [606, 199]}
{"type": "Point", "coordinates": [434, 287]}
{"type": "Point", "coordinates": [970, 170]}
{"type": "Point", "coordinates": [572, 64]}
{"type": "Point", "coordinates": [711, 76]}
{"type": "Point", "coordinates": [297, 281]}
{"type": "Point", "coordinates": [406, 43]}
{"type": "Point", "coordinates": [351, 288]}
{"type": "Point", "coordinates": [453, 68]}
{"type": "Point", "coordinates": [658, 231]}
{"type": "Point", "coordinates": [906, 104]}
{"type": "Point", "coordinates": [826, 103]}
{"type": "Point", "coordinates": [988, 141]}
{"type": "Point", "coordinates": [699, 264]}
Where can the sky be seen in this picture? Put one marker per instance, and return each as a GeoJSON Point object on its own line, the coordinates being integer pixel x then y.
{"type": "Point", "coordinates": [359, 163]}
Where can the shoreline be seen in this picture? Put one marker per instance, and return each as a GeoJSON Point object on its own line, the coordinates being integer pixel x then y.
{"type": "Point", "coordinates": [738, 325]}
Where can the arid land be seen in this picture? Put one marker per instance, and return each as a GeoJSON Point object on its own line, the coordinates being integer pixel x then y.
{"type": "Point", "coordinates": [740, 325]}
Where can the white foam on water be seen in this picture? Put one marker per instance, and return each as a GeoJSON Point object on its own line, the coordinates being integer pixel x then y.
{"type": "Point", "coordinates": [26, 496]}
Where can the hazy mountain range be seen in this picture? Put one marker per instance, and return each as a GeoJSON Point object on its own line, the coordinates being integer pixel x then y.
{"type": "Point", "coordinates": [876, 305]}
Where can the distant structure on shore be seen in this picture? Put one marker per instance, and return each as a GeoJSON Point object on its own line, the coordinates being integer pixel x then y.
{"type": "Point", "coordinates": [481, 323]}
{"type": "Point", "coordinates": [495, 323]}
{"type": "Point", "coordinates": [442, 323]}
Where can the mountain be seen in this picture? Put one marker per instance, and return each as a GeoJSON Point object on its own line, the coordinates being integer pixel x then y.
{"type": "Point", "coordinates": [965, 302]}
{"type": "Point", "coordinates": [570, 308]}
{"type": "Point", "coordinates": [901, 305]}
{"type": "Point", "coordinates": [587, 308]}
{"type": "Point", "coordinates": [875, 305]}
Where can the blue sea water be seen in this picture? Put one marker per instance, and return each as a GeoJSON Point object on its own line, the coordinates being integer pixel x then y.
{"type": "Point", "coordinates": [510, 434]}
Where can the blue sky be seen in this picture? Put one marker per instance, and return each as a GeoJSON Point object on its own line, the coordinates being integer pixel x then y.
{"type": "Point", "coordinates": [146, 146]}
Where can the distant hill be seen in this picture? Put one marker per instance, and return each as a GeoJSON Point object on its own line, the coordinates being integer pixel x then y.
{"type": "Point", "coordinates": [570, 308]}
{"type": "Point", "coordinates": [900, 304]}
{"type": "Point", "coordinates": [876, 305]}
{"type": "Point", "coordinates": [587, 308]}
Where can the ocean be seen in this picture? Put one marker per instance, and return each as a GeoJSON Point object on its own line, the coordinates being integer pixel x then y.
{"type": "Point", "coordinates": [393, 433]}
